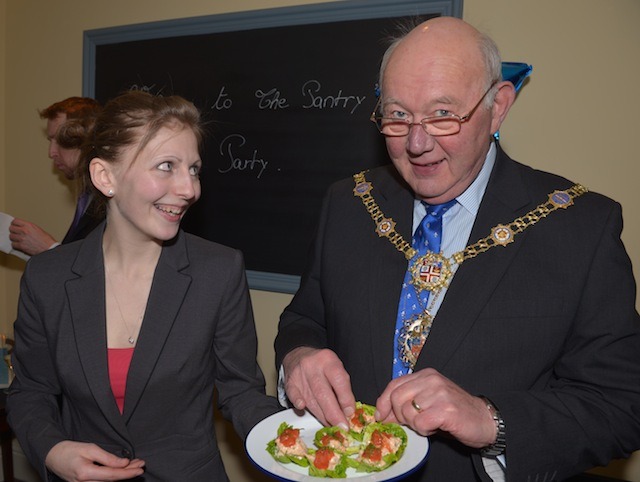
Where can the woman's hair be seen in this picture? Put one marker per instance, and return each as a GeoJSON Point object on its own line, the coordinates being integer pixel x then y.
{"type": "Point", "coordinates": [132, 119]}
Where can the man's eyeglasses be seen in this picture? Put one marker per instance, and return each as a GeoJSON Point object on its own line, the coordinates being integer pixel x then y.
{"type": "Point", "coordinates": [436, 125]}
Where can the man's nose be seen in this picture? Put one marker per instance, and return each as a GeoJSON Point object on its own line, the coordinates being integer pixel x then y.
{"type": "Point", "coordinates": [53, 149]}
{"type": "Point", "coordinates": [418, 141]}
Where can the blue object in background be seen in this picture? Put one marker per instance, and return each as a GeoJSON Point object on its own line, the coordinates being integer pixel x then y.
{"type": "Point", "coordinates": [514, 72]}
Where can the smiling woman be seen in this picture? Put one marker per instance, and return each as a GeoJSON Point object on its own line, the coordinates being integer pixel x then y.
{"type": "Point", "coordinates": [150, 190]}
{"type": "Point", "coordinates": [143, 320]}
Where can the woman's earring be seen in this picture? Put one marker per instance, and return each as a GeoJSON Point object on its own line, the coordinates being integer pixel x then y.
{"type": "Point", "coordinates": [110, 193]}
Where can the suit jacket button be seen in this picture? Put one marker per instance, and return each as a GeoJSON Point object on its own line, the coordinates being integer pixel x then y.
{"type": "Point", "coordinates": [126, 453]}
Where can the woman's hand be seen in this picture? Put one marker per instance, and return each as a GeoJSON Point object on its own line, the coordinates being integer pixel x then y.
{"type": "Point", "coordinates": [86, 462]}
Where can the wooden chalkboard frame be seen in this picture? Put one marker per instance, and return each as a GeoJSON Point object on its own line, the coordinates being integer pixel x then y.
{"type": "Point", "coordinates": [258, 19]}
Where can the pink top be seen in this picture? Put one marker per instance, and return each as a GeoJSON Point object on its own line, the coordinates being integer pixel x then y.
{"type": "Point", "coordinates": [119, 360]}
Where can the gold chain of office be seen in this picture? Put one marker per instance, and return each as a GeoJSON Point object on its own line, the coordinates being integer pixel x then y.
{"type": "Point", "coordinates": [433, 271]}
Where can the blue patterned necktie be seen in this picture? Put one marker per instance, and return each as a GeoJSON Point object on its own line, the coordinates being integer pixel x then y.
{"type": "Point", "coordinates": [412, 304]}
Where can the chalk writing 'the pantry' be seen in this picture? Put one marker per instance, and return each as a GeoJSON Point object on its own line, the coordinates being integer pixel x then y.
{"type": "Point", "coordinates": [314, 99]}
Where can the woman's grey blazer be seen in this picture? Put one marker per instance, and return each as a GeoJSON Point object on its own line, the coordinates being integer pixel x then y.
{"type": "Point", "coordinates": [198, 334]}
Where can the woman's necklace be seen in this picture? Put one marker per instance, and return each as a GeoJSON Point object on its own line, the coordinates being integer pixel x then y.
{"type": "Point", "coordinates": [130, 332]}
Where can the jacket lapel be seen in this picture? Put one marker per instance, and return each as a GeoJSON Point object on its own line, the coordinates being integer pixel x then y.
{"type": "Point", "coordinates": [389, 266]}
{"type": "Point", "coordinates": [168, 291]}
{"type": "Point", "coordinates": [504, 200]}
{"type": "Point", "coordinates": [88, 316]}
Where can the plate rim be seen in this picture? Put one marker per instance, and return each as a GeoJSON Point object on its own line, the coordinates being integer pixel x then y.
{"type": "Point", "coordinates": [289, 415]}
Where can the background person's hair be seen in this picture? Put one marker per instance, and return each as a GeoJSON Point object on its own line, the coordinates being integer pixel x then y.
{"type": "Point", "coordinates": [74, 132]}
{"type": "Point", "coordinates": [73, 107]}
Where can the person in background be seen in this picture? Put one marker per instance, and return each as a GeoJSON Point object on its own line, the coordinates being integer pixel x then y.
{"type": "Point", "coordinates": [506, 329]}
{"type": "Point", "coordinates": [68, 124]}
{"type": "Point", "coordinates": [121, 338]}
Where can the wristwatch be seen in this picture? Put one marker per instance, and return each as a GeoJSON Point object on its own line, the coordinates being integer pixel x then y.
{"type": "Point", "coordinates": [498, 447]}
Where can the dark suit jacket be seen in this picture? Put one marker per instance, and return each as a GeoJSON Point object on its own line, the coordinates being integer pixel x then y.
{"type": "Point", "coordinates": [546, 327]}
{"type": "Point", "coordinates": [89, 220]}
{"type": "Point", "coordinates": [197, 334]}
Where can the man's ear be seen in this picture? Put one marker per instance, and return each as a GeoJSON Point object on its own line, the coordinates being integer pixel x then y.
{"type": "Point", "coordinates": [102, 176]}
{"type": "Point", "coordinates": [504, 99]}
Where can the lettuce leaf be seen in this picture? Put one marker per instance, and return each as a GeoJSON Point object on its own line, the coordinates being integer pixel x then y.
{"type": "Point", "coordinates": [365, 410]}
{"type": "Point", "coordinates": [272, 448]}
{"type": "Point", "coordinates": [339, 471]}
{"type": "Point", "coordinates": [395, 430]}
{"type": "Point", "coordinates": [348, 447]}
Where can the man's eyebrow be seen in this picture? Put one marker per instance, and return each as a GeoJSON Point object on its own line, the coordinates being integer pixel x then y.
{"type": "Point", "coordinates": [444, 99]}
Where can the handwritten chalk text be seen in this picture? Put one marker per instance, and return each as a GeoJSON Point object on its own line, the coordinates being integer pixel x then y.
{"type": "Point", "coordinates": [229, 148]}
{"type": "Point", "coordinates": [271, 99]}
{"type": "Point", "coordinates": [223, 102]}
{"type": "Point", "coordinates": [311, 89]}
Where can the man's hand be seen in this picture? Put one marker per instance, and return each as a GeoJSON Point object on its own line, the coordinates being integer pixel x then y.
{"type": "Point", "coordinates": [84, 462]}
{"type": "Point", "coordinates": [316, 380]}
{"type": "Point", "coordinates": [29, 238]}
{"type": "Point", "coordinates": [428, 402]}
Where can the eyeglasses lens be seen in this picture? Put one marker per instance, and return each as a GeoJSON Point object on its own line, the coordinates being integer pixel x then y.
{"type": "Point", "coordinates": [434, 127]}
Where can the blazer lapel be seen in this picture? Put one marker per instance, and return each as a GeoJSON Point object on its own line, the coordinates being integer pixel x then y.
{"type": "Point", "coordinates": [388, 269]}
{"type": "Point", "coordinates": [505, 199]}
{"type": "Point", "coordinates": [168, 291]}
{"type": "Point", "coordinates": [88, 315]}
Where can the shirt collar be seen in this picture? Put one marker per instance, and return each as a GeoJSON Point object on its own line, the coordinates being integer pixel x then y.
{"type": "Point", "coordinates": [470, 199]}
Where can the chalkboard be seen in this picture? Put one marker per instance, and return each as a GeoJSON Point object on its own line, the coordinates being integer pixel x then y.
{"type": "Point", "coordinates": [286, 94]}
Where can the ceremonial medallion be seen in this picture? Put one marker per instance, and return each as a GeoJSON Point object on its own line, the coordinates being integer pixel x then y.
{"type": "Point", "coordinates": [362, 188]}
{"type": "Point", "coordinates": [412, 336]}
{"type": "Point", "coordinates": [560, 199]}
{"type": "Point", "coordinates": [430, 272]}
{"type": "Point", "coordinates": [502, 235]}
{"type": "Point", "coordinates": [385, 227]}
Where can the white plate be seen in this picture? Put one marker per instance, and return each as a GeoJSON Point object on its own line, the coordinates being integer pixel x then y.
{"type": "Point", "coordinates": [414, 456]}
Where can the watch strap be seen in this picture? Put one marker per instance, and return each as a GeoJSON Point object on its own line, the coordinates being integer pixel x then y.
{"type": "Point", "coordinates": [500, 444]}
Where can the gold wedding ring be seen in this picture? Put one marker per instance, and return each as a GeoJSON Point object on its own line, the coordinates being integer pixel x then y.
{"type": "Point", "coordinates": [416, 406]}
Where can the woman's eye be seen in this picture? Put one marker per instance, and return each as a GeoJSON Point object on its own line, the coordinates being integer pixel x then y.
{"type": "Point", "coordinates": [165, 166]}
{"type": "Point", "coordinates": [194, 170]}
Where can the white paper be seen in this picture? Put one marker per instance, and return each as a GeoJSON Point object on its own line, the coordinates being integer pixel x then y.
{"type": "Point", "coordinates": [5, 242]}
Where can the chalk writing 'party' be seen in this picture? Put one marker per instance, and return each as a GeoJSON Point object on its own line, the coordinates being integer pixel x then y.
{"type": "Point", "coordinates": [231, 148]}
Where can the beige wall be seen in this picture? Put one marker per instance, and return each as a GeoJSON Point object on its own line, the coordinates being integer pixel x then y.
{"type": "Point", "coordinates": [3, 180]}
{"type": "Point", "coordinates": [576, 116]}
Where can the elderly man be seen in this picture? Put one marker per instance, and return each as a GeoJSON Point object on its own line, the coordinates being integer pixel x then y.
{"type": "Point", "coordinates": [493, 330]}
{"type": "Point", "coordinates": [68, 123]}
